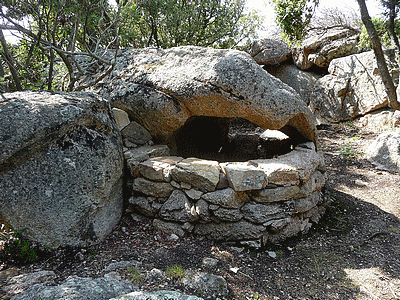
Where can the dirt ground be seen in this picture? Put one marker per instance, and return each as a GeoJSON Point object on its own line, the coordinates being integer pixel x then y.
{"type": "Point", "coordinates": [353, 253]}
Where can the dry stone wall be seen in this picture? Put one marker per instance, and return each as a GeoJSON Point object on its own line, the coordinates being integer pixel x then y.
{"type": "Point", "coordinates": [264, 199]}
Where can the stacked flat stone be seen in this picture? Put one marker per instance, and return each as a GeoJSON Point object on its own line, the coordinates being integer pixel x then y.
{"type": "Point", "coordinates": [264, 199]}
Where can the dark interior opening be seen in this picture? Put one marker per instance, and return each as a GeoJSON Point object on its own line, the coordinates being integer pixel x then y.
{"type": "Point", "coordinates": [230, 140]}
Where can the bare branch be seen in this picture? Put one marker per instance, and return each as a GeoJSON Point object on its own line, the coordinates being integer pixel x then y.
{"type": "Point", "coordinates": [10, 62]}
{"type": "Point", "coordinates": [55, 38]}
{"type": "Point", "coordinates": [102, 76]}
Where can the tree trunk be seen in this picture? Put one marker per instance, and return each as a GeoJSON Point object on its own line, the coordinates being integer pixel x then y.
{"type": "Point", "coordinates": [380, 58]}
{"type": "Point", "coordinates": [392, 17]}
{"type": "Point", "coordinates": [51, 68]}
{"type": "Point", "coordinates": [1, 70]}
{"type": "Point", "coordinates": [9, 60]}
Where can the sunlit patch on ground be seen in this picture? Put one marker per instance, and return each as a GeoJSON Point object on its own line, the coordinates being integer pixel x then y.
{"type": "Point", "coordinates": [374, 283]}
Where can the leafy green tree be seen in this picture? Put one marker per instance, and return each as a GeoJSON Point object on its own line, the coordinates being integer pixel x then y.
{"type": "Point", "coordinates": [61, 30]}
{"type": "Point", "coordinates": [170, 23]}
{"type": "Point", "coordinates": [66, 31]}
{"type": "Point", "coordinates": [293, 17]}
{"type": "Point", "coordinates": [381, 26]}
{"type": "Point", "coordinates": [391, 9]}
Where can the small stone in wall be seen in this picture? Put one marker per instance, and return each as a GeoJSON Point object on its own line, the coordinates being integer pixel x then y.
{"type": "Point", "coordinates": [129, 144]}
{"type": "Point", "coordinates": [244, 177]}
{"type": "Point", "coordinates": [145, 152]}
{"type": "Point", "coordinates": [178, 208]}
{"type": "Point", "coordinates": [275, 226]}
{"type": "Point", "coordinates": [152, 188]}
{"type": "Point", "coordinates": [186, 186]}
{"type": "Point", "coordinates": [158, 203]}
{"type": "Point", "coordinates": [269, 195]}
{"type": "Point", "coordinates": [227, 198]}
{"type": "Point", "coordinates": [193, 194]}
{"type": "Point", "coordinates": [296, 225]}
{"type": "Point", "coordinates": [315, 183]}
{"type": "Point", "coordinates": [223, 181]}
{"type": "Point", "coordinates": [143, 205]}
{"type": "Point", "coordinates": [159, 168]}
{"type": "Point", "coordinates": [133, 167]}
{"type": "Point", "coordinates": [279, 173]}
{"type": "Point", "coordinates": [229, 215]}
{"type": "Point", "coordinates": [260, 213]}
{"type": "Point", "coordinates": [175, 184]}
{"type": "Point", "coordinates": [201, 174]}
{"type": "Point", "coordinates": [136, 133]}
{"type": "Point", "coordinates": [121, 118]}
{"type": "Point", "coordinates": [202, 210]}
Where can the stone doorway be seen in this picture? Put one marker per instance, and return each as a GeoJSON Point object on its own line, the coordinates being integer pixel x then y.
{"type": "Point", "coordinates": [231, 139]}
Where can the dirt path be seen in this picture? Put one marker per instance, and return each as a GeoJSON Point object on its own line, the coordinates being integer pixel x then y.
{"type": "Point", "coordinates": [354, 253]}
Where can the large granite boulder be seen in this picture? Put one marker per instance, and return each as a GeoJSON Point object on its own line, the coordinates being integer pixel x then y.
{"type": "Point", "coordinates": [157, 295]}
{"type": "Point", "coordinates": [384, 152]}
{"type": "Point", "coordinates": [61, 166]}
{"type": "Point", "coordinates": [270, 51]}
{"type": "Point", "coordinates": [77, 288]}
{"type": "Point", "coordinates": [321, 48]}
{"type": "Point", "coordinates": [380, 121]}
{"type": "Point", "coordinates": [161, 89]}
{"type": "Point", "coordinates": [302, 81]}
{"type": "Point", "coordinates": [352, 88]}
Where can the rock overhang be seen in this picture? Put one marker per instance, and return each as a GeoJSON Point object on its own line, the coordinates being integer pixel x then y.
{"type": "Point", "coordinates": [162, 89]}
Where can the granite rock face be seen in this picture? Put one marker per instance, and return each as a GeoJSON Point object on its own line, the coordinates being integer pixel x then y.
{"type": "Point", "coordinates": [384, 152]}
{"type": "Point", "coordinates": [77, 288]}
{"type": "Point", "coordinates": [321, 48]}
{"type": "Point", "coordinates": [158, 295]}
{"type": "Point", "coordinates": [270, 51]}
{"type": "Point", "coordinates": [61, 167]}
{"type": "Point", "coordinates": [352, 88]}
{"type": "Point", "coordinates": [302, 81]}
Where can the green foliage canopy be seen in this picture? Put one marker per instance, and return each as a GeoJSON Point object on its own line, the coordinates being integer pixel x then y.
{"type": "Point", "coordinates": [293, 17]}
{"type": "Point", "coordinates": [381, 26]}
{"type": "Point", "coordinates": [60, 32]}
{"type": "Point", "coordinates": [170, 23]}
{"type": "Point", "coordinates": [54, 31]}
